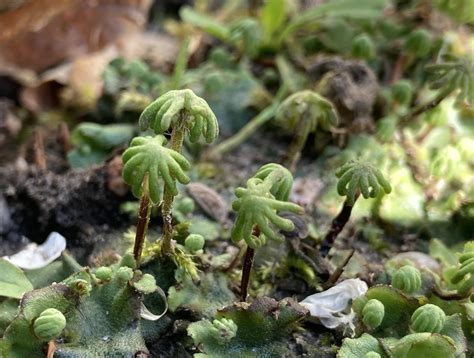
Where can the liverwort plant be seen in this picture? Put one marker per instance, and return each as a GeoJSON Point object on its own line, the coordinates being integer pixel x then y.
{"type": "Point", "coordinates": [355, 178]}
{"type": "Point", "coordinates": [302, 113]}
{"type": "Point", "coordinates": [257, 208]}
{"type": "Point", "coordinates": [147, 160]}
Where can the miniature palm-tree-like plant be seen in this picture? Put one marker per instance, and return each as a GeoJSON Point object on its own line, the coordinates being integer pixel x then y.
{"type": "Point", "coordinates": [147, 160]}
{"type": "Point", "coordinates": [355, 178]}
{"type": "Point", "coordinates": [257, 213]}
{"type": "Point", "coordinates": [302, 113]}
{"type": "Point", "coordinates": [455, 73]}
{"type": "Point", "coordinates": [182, 112]}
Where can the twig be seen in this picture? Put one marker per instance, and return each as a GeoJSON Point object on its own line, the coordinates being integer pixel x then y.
{"type": "Point", "coordinates": [143, 220]}
{"type": "Point", "coordinates": [247, 267]}
{"type": "Point", "coordinates": [38, 147]}
{"type": "Point", "coordinates": [338, 272]}
{"type": "Point", "coordinates": [51, 349]}
{"type": "Point", "coordinates": [336, 227]}
{"type": "Point", "coordinates": [65, 137]}
{"type": "Point", "coordinates": [425, 107]}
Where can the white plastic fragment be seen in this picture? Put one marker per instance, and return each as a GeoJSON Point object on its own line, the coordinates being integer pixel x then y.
{"type": "Point", "coordinates": [331, 306]}
{"type": "Point", "coordinates": [35, 256]}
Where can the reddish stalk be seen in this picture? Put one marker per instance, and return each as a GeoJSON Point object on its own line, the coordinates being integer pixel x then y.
{"type": "Point", "coordinates": [38, 146]}
{"type": "Point", "coordinates": [143, 220]}
{"type": "Point", "coordinates": [336, 227]}
{"type": "Point", "coordinates": [247, 267]}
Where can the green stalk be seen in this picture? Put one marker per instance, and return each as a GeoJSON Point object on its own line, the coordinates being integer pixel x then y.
{"type": "Point", "coordinates": [297, 145]}
{"type": "Point", "coordinates": [250, 128]}
{"type": "Point", "coordinates": [177, 138]}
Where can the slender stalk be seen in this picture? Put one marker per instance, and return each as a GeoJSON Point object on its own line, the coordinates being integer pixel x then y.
{"type": "Point", "coordinates": [247, 268]}
{"type": "Point", "coordinates": [250, 128]}
{"type": "Point", "coordinates": [296, 146]}
{"type": "Point", "coordinates": [38, 146]}
{"type": "Point", "coordinates": [338, 272]}
{"type": "Point", "coordinates": [177, 138]}
{"type": "Point", "coordinates": [143, 220]}
{"type": "Point", "coordinates": [425, 107]}
{"type": "Point", "coordinates": [336, 227]}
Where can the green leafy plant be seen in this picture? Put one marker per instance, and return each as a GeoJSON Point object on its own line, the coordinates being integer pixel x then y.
{"type": "Point", "coordinates": [302, 113]}
{"type": "Point", "coordinates": [93, 142]}
{"type": "Point", "coordinates": [78, 312]}
{"type": "Point", "coordinates": [251, 330]}
{"type": "Point", "coordinates": [355, 178]}
{"type": "Point", "coordinates": [257, 208]}
{"type": "Point", "coordinates": [147, 159]}
{"type": "Point", "coordinates": [453, 74]}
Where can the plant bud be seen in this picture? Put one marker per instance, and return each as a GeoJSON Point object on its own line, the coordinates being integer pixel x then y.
{"type": "Point", "coordinates": [402, 92]}
{"type": "Point", "coordinates": [49, 325]}
{"type": "Point", "coordinates": [194, 242]}
{"type": "Point", "coordinates": [428, 318]}
{"type": "Point", "coordinates": [418, 43]}
{"type": "Point", "coordinates": [373, 313]}
{"type": "Point", "coordinates": [407, 279]}
{"type": "Point", "coordinates": [363, 47]}
{"type": "Point", "coordinates": [103, 273]}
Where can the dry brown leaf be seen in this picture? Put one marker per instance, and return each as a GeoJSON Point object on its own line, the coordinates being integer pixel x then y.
{"type": "Point", "coordinates": [43, 33]}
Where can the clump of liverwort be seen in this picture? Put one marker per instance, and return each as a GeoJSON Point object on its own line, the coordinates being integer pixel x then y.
{"type": "Point", "coordinates": [257, 208]}
{"type": "Point", "coordinates": [149, 160]}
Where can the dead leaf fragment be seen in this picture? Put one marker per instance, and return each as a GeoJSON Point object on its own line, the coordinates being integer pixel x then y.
{"type": "Point", "coordinates": [43, 33]}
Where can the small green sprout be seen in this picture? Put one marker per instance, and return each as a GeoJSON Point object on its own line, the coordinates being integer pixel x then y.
{"type": "Point", "coordinates": [148, 155]}
{"type": "Point", "coordinates": [224, 330]}
{"type": "Point", "coordinates": [418, 43]}
{"type": "Point", "coordinates": [407, 279]}
{"type": "Point", "coordinates": [194, 242]}
{"type": "Point", "coordinates": [465, 272]}
{"type": "Point", "coordinates": [49, 325]}
{"type": "Point", "coordinates": [402, 92]}
{"type": "Point", "coordinates": [178, 109]}
{"type": "Point", "coordinates": [373, 313]}
{"type": "Point", "coordinates": [124, 274]}
{"type": "Point", "coordinates": [302, 113]}
{"type": "Point", "coordinates": [428, 318]}
{"type": "Point", "coordinates": [363, 47]}
{"type": "Point", "coordinates": [357, 177]}
{"type": "Point", "coordinates": [455, 73]}
{"type": "Point", "coordinates": [257, 212]}
{"type": "Point", "coordinates": [146, 284]}
{"type": "Point", "coordinates": [104, 273]}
